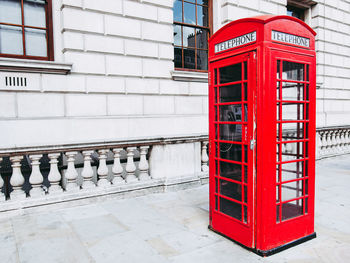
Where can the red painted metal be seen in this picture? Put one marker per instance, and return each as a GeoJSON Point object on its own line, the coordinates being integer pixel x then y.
{"type": "Point", "coordinates": [266, 135]}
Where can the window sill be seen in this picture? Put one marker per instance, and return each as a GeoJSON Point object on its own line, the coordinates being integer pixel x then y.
{"type": "Point", "coordinates": [34, 66]}
{"type": "Point", "coordinates": [189, 76]}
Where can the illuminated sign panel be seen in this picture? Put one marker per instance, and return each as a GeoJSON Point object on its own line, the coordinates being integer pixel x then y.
{"type": "Point", "coordinates": [290, 39]}
{"type": "Point", "coordinates": [236, 42]}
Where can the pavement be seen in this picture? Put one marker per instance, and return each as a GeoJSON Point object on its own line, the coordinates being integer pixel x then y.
{"type": "Point", "coordinates": [169, 227]}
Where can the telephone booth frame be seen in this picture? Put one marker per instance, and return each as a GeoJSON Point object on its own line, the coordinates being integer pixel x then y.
{"type": "Point", "coordinates": [262, 94]}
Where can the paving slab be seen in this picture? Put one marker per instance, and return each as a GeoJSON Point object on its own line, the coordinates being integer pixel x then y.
{"type": "Point", "coordinates": [170, 227]}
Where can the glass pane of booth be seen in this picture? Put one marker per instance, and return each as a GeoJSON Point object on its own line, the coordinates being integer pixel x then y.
{"type": "Point", "coordinates": [231, 170]}
{"type": "Point", "coordinates": [292, 71]}
{"type": "Point", "coordinates": [231, 208]}
{"type": "Point", "coordinates": [232, 93]}
{"type": "Point", "coordinates": [232, 152]}
{"type": "Point", "coordinates": [231, 73]}
{"type": "Point", "coordinates": [292, 108]}
{"type": "Point", "coordinates": [231, 190]}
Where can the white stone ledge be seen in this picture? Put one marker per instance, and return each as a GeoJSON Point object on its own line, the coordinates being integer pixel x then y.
{"type": "Point", "coordinates": [176, 139]}
{"type": "Point", "coordinates": [189, 76]}
{"type": "Point", "coordinates": [34, 66]}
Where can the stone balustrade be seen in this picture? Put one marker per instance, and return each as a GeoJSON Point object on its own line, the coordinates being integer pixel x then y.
{"type": "Point", "coordinates": [332, 141]}
{"type": "Point", "coordinates": [51, 175]}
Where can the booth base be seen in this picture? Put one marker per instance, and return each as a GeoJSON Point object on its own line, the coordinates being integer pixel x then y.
{"type": "Point", "coordinates": [266, 253]}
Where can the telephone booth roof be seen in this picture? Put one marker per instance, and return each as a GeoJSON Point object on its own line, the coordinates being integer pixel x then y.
{"type": "Point", "coordinates": [289, 30]}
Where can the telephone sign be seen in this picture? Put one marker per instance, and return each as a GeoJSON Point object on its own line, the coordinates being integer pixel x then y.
{"type": "Point", "coordinates": [262, 132]}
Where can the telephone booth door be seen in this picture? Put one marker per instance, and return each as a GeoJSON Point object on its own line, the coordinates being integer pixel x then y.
{"type": "Point", "coordinates": [232, 142]}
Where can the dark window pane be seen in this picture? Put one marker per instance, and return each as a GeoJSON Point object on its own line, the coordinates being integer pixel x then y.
{"type": "Point", "coordinates": [189, 38]}
{"type": "Point", "coordinates": [178, 57]}
{"type": "Point", "coordinates": [189, 13]}
{"type": "Point", "coordinates": [202, 38]}
{"type": "Point", "coordinates": [245, 91]}
{"type": "Point", "coordinates": [292, 209]}
{"type": "Point", "coordinates": [231, 208]}
{"type": "Point", "coordinates": [231, 152]}
{"type": "Point", "coordinates": [231, 190]}
{"type": "Point", "coordinates": [231, 170]}
{"type": "Point", "coordinates": [293, 71]}
{"type": "Point", "coordinates": [35, 42]}
{"type": "Point", "coordinates": [245, 194]}
{"type": "Point", "coordinates": [189, 58]}
{"type": "Point", "coordinates": [231, 112]}
{"type": "Point", "coordinates": [177, 11]}
{"type": "Point", "coordinates": [231, 132]}
{"type": "Point", "coordinates": [177, 35]}
{"type": "Point", "coordinates": [11, 40]}
{"type": "Point", "coordinates": [10, 12]}
{"type": "Point", "coordinates": [202, 16]}
{"type": "Point", "coordinates": [215, 80]}
{"type": "Point", "coordinates": [245, 70]}
{"type": "Point", "coordinates": [231, 93]}
{"type": "Point", "coordinates": [231, 73]}
{"type": "Point", "coordinates": [202, 59]}
{"type": "Point", "coordinates": [245, 168]}
{"type": "Point", "coordinates": [34, 13]}
{"type": "Point", "coordinates": [278, 69]}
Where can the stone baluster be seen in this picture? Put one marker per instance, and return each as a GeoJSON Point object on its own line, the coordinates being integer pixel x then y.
{"type": "Point", "coordinates": [117, 168]}
{"type": "Point", "coordinates": [318, 145]}
{"type": "Point", "coordinates": [347, 140]}
{"type": "Point", "coordinates": [130, 165]}
{"type": "Point", "coordinates": [342, 141]}
{"type": "Point", "coordinates": [2, 196]}
{"type": "Point", "coordinates": [17, 179]}
{"type": "Point", "coordinates": [143, 165]}
{"type": "Point", "coordinates": [54, 176]}
{"type": "Point", "coordinates": [324, 143]}
{"type": "Point", "coordinates": [36, 178]}
{"type": "Point", "coordinates": [338, 141]}
{"type": "Point", "coordinates": [102, 170]}
{"type": "Point", "coordinates": [329, 142]}
{"type": "Point", "coordinates": [334, 141]}
{"type": "Point", "coordinates": [87, 172]}
{"type": "Point", "coordinates": [71, 173]}
{"type": "Point", "coordinates": [204, 157]}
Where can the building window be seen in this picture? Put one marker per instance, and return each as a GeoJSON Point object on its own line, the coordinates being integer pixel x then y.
{"type": "Point", "coordinates": [191, 33]}
{"type": "Point", "coordinates": [296, 12]}
{"type": "Point", "coordinates": [26, 29]}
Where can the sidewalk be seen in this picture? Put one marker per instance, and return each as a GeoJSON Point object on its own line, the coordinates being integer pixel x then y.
{"type": "Point", "coordinates": [170, 227]}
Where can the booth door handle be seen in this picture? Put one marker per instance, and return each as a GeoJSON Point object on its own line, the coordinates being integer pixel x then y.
{"type": "Point", "coordinates": [252, 144]}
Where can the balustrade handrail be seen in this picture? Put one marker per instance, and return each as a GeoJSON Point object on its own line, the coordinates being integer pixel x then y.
{"type": "Point", "coordinates": [331, 128]}
{"type": "Point", "coordinates": [101, 145]}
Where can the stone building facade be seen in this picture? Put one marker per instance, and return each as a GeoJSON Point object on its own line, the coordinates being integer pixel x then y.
{"type": "Point", "coordinates": [112, 98]}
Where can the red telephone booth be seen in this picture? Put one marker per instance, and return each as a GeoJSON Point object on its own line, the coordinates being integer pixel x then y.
{"type": "Point", "coordinates": [262, 132]}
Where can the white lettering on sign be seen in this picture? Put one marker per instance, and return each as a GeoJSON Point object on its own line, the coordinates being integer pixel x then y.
{"type": "Point", "coordinates": [291, 39]}
{"type": "Point", "coordinates": [236, 42]}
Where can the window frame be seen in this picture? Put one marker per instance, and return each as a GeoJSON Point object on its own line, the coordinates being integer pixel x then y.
{"type": "Point", "coordinates": [49, 34]}
{"type": "Point", "coordinates": [209, 28]}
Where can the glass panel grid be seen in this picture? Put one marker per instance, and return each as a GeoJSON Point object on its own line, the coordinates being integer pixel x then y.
{"type": "Point", "coordinates": [193, 20]}
{"type": "Point", "coordinates": [231, 126]}
{"type": "Point", "coordinates": [30, 17]}
{"type": "Point", "coordinates": [292, 139]}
